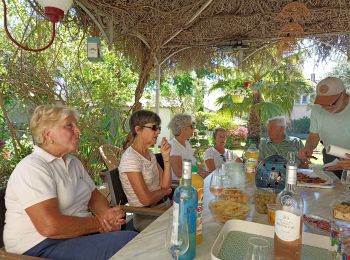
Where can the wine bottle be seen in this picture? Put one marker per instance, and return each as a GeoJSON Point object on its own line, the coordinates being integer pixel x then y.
{"type": "Point", "coordinates": [185, 206]}
{"type": "Point", "coordinates": [288, 219]}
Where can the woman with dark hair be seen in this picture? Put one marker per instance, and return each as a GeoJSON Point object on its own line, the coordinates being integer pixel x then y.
{"type": "Point", "coordinates": [144, 182]}
{"type": "Point", "coordinates": [54, 209]}
{"type": "Point", "coordinates": [216, 156]}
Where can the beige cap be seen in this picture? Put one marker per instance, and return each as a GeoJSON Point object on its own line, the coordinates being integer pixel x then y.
{"type": "Point", "coordinates": [328, 90]}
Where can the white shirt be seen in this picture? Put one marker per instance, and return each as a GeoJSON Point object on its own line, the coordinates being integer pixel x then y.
{"type": "Point", "coordinates": [185, 152]}
{"type": "Point", "coordinates": [38, 177]}
{"type": "Point", "coordinates": [332, 128]}
{"type": "Point", "coordinates": [212, 153]}
{"type": "Point", "coordinates": [132, 161]}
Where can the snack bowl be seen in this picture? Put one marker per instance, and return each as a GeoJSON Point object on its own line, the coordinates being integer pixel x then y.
{"type": "Point", "coordinates": [223, 210]}
{"type": "Point", "coordinates": [262, 197]}
{"type": "Point", "coordinates": [233, 203]}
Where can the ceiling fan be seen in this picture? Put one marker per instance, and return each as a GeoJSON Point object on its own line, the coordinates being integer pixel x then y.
{"type": "Point", "coordinates": [233, 46]}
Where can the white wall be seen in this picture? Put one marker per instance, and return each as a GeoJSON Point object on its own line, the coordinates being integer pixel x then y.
{"type": "Point", "coordinates": [299, 111]}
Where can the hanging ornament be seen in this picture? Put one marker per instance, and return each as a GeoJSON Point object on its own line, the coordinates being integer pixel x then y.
{"type": "Point", "coordinates": [94, 49]}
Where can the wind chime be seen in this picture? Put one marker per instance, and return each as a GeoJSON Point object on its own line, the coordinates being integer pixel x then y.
{"type": "Point", "coordinates": [291, 16]}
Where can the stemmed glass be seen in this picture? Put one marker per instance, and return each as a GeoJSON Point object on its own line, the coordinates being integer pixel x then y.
{"type": "Point", "coordinates": [258, 249]}
{"type": "Point", "coordinates": [216, 183]}
{"type": "Point", "coordinates": [345, 178]}
{"type": "Point", "coordinates": [177, 240]}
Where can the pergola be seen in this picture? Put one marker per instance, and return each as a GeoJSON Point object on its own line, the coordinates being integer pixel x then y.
{"type": "Point", "coordinates": [157, 32]}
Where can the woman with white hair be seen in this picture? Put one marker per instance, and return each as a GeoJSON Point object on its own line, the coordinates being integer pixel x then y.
{"type": "Point", "coordinates": [182, 127]}
{"type": "Point", "coordinates": [53, 207]}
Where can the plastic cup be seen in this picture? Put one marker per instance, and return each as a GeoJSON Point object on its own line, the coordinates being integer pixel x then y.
{"type": "Point", "coordinates": [271, 208]}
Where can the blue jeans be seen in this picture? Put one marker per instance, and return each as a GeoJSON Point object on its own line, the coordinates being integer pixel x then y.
{"type": "Point", "coordinates": [96, 246]}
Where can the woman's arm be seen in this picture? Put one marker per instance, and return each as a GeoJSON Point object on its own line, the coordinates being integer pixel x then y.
{"type": "Point", "coordinates": [142, 192]}
{"type": "Point", "coordinates": [165, 176]}
{"type": "Point", "coordinates": [176, 165]}
{"type": "Point", "coordinates": [50, 223]}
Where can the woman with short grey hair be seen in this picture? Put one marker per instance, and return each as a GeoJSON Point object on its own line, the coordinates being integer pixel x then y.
{"type": "Point", "coordinates": [182, 127]}
{"type": "Point", "coordinates": [54, 209]}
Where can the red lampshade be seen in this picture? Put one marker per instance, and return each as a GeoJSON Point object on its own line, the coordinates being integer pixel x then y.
{"type": "Point", "coordinates": [55, 9]}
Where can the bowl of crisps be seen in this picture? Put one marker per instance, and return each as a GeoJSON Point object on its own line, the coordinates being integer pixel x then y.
{"type": "Point", "coordinates": [233, 203]}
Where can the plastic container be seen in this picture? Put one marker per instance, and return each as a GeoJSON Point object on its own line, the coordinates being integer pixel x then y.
{"type": "Point", "coordinates": [341, 208]}
{"type": "Point", "coordinates": [252, 159]}
{"type": "Point", "coordinates": [198, 183]}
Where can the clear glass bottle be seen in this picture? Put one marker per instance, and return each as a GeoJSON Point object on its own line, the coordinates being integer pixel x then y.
{"type": "Point", "coordinates": [185, 206]}
{"type": "Point", "coordinates": [288, 219]}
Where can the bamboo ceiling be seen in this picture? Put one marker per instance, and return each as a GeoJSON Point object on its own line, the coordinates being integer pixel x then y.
{"type": "Point", "coordinates": [170, 26]}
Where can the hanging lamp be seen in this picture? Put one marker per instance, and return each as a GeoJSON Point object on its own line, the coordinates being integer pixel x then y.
{"type": "Point", "coordinates": [54, 11]}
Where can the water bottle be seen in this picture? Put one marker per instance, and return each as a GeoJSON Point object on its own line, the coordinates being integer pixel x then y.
{"type": "Point", "coordinates": [188, 196]}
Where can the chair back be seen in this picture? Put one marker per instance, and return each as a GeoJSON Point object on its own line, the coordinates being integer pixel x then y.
{"type": "Point", "coordinates": [2, 214]}
{"type": "Point", "coordinates": [115, 187]}
{"type": "Point", "coordinates": [111, 155]}
{"type": "Point", "coordinates": [159, 159]}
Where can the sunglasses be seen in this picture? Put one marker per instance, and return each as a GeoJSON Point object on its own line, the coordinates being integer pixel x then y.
{"type": "Point", "coordinates": [223, 157]}
{"type": "Point", "coordinates": [193, 126]}
{"type": "Point", "coordinates": [153, 127]}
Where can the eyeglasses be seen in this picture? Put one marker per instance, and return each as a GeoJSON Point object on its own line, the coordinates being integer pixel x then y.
{"type": "Point", "coordinates": [153, 127]}
{"type": "Point", "coordinates": [223, 157]}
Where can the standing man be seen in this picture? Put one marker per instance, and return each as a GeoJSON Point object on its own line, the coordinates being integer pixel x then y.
{"type": "Point", "coordinates": [330, 120]}
{"type": "Point", "coordinates": [278, 142]}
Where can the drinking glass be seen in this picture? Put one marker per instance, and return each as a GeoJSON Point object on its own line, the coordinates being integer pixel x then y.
{"type": "Point", "coordinates": [216, 183]}
{"type": "Point", "coordinates": [258, 249]}
{"type": "Point", "coordinates": [345, 178]}
{"type": "Point", "coordinates": [177, 241]}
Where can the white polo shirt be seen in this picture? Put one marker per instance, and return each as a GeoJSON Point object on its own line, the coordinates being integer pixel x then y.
{"type": "Point", "coordinates": [185, 152]}
{"type": "Point", "coordinates": [38, 177]}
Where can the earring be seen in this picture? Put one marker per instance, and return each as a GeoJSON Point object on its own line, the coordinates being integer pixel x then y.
{"type": "Point", "coordinates": [51, 141]}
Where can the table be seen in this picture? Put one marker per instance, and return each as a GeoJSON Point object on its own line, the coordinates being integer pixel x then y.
{"type": "Point", "coordinates": [150, 243]}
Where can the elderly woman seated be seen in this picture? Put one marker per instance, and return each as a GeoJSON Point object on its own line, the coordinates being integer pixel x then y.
{"type": "Point", "coordinates": [182, 127]}
{"type": "Point", "coordinates": [50, 197]}
{"type": "Point", "coordinates": [144, 182]}
{"type": "Point", "coordinates": [216, 156]}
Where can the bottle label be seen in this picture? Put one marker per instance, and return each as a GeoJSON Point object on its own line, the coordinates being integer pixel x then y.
{"type": "Point", "coordinates": [174, 235]}
{"type": "Point", "coordinates": [199, 211]}
{"type": "Point", "coordinates": [287, 226]}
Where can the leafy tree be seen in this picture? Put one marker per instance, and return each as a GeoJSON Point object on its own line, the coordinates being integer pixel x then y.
{"type": "Point", "coordinates": [62, 74]}
{"type": "Point", "coordinates": [342, 71]}
{"type": "Point", "coordinates": [272, 84]}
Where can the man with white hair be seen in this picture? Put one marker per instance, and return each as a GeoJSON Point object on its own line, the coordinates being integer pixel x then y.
{"type": "Point", "coordinates": [330, 121]}
{"type": "Point", "coordinates": [277, 141]}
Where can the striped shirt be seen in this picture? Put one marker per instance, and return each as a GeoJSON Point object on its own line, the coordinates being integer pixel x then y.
{"type": "Point", "coordinates": [289, 144]}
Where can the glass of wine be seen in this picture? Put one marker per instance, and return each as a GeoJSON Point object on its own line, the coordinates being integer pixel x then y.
{"type": "Point", "coordinates": [258, 249]}
{"type": "Point", "coordinates": [345, 178]}
{"type": "Point", "coordinates": [177, 239]}
{"type": "Point", "coordinates": [216, 183]}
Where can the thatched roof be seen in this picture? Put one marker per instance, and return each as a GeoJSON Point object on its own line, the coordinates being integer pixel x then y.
{"type": "Point", "coordinates": [168, 26]}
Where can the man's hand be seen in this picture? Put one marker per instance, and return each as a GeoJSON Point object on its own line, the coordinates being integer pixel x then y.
{"type": "Point", "coordinates": [343, 164]}
{"type": "Point", "coordinates": [305, 153]}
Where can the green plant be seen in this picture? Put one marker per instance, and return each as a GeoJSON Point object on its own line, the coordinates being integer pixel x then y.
{"type": "Point", "coordinates": [300, 125]}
